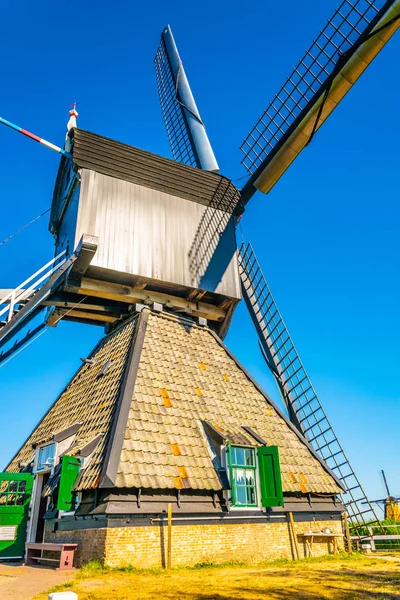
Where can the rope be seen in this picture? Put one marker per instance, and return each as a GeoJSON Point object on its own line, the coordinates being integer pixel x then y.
{"type": "Point", "coordinates": [181, 103]}
{"type": "Point", "coordinates": [69, 310]}
{"type": "Point", "coordinates": [239, 178]}
{"type": "Point", "coordinates": [7, 239]}
{"type": "Point", "coordinates": [23, 348]}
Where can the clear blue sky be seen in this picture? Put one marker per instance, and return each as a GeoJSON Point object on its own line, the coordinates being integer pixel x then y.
{"type": "Point", "coordinates": [327, 235]}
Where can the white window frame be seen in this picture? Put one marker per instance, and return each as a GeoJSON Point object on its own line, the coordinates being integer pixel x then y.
{"type": "Point", "coordinates": [50, 468]}
{"type": "Point", "coordinates": [225, 464]}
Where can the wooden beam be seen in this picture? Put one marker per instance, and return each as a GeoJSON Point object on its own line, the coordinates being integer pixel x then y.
{"type": "Point", "coordinates": [81, 314]}
{"type": "Point", "coordinates": [86, 250]}
{"type": "Point", "coordinates": [294, 536]}
{"type": "Point", "coordinates": [349, 546]}
{"type": "Point", "coordinates": [132, 295]}
{"type": "Point", "coordinates": [169, 543]}
{"type": "Point", "coordinates": [60, 313]}
{"type": "Point", "coordinates": [195, 295]}
{"type": "Point", "coordinates": [96, 307]}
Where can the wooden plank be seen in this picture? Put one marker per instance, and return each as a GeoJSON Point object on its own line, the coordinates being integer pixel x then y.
{"type": "Point", "coordinates": [169, 549]}
{"type": "Point", "coordinates": [133, 295]}
{"type": "Point", "coordinates": [381, 537]}
{"type": "Point", "coordinates": [347, 534]}
{"type": "Point", "coordinates": [58, 315]}
{"type": "Point", "coordinates": [320, 534]}
{"type": "Point", "coordinates": [95, 307]}
{"type": "Point", "coordinates": [86, 250]}
{"type": "Point", "coordinates": [48, 546]}
{"type": "Point", "coordinates": [295, 542]}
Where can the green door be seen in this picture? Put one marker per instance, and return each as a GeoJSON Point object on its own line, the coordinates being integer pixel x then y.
{"type": "Point", "coordinates": [15, 496]}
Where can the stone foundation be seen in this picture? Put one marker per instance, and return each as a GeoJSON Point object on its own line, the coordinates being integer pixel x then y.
{"type": "Point", "coordinates": [144, 547]}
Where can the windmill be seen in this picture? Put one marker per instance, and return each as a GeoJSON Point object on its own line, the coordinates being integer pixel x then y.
{"type": "Point", "coordinates": [390, 503]}
{"type": "Point", "coordinates": [342, 51]}
{"type": "Point", "coordinates": [108, 276]}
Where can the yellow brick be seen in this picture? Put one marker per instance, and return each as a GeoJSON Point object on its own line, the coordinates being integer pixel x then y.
{"type": "Point", "coordinates": [144, 546]}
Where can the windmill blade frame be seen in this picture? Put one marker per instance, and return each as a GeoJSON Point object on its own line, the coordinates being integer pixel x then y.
{"type": "Point", "coordinates": [299, 396]}
{"type": "Point", "coordinates": [185, 129]}
{"type": "Point", "coordinates": [346, 46]}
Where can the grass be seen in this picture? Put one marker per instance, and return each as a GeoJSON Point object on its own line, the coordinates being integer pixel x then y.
{"type": "Point", "coordinates": [357, 577]}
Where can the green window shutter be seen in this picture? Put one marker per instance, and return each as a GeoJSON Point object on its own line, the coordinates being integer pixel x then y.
{"type": "Point", "coordinates": [270, 476]}
{"type": "Point", "coordinates": [70, 466]}
{"type": "Point", "coordinates": [230, 460]}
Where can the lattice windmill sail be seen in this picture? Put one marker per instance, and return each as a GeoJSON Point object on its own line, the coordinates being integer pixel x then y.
{"type": "Point", "coordinates": [186, 131]}
{"type": "Point", "coordinates": [343, 50]}
{"type": "Point", "coordinates": [303, 405]}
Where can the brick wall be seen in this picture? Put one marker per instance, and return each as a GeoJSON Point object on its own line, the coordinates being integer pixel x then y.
{"type": "Point", "coordinates": [91, 542]}
{"type": "Point", "coordinates": [144, 547]}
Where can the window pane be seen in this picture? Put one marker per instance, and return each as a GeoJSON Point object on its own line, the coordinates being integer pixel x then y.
{"type": "Point", "coordinates": [239, 476]}
{"type": "Point", "coordinates": [249, 477]}
{"type": "Point", "coordinates": [251, 496]}
{"type": "Point", "coordinates": [249, 457]}
{"type": "Point", "coordinates": [241, 497]}
{"type": "Point", "coordinates": [240, 456]}
{"type": "Point", "coordinates": [46, 457]}
{"type": "Point", "coordinates": [243, 467]}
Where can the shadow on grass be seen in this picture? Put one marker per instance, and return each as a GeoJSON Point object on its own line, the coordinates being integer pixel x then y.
{"type": "Point", "coordinates": [333, 584]}
{"type": "Point", "coordinates": [280, 581]}
{"type": "Point", "coordinates": [348, 584]}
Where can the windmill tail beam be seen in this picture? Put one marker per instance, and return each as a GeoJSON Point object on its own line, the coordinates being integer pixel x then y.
{"type": "Point", "coordinates": [34, 137]}
{"type": "Point", "coordinates": [349, 67]}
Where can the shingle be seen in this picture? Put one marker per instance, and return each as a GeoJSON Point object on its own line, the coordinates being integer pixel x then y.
{"type": "Point", "coordinates": [125, 162]}
{"type": "Point", "coordinates": [221, 394]}
{"type": "Point", "coordinates": [161, 444]}
{"type": "Point", "coordinates": [87, 399]}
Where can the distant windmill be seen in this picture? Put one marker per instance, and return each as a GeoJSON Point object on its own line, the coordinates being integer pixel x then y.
{"type": "Point", "coordinates": [390, 504]}
{"type": "Point", "coordinates": [88, 281]}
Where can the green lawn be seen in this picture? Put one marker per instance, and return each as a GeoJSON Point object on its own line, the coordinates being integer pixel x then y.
{"type": "Point", "coordinates": [334, 578]}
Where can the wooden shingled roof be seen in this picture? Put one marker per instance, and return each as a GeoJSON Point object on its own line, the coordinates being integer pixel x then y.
{"type": "Point", "coordinates": [107, 156]}
{"type": "Point", "coordinates": [89, 399]}
{"type": "Point", "coordinates": [122, 161]}
{"type": "Point", "coordinates": [169, 381]}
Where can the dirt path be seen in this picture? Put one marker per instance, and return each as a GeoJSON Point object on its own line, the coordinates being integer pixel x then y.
{"type": "Point", "coordinates": [23, 583]}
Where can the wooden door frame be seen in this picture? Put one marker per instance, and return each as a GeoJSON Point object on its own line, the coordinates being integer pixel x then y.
{"type": "Point", "coordinates": [35, 506]}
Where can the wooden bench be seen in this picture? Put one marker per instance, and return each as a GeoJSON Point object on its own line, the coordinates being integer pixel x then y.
{"type": "Point", "coordinates": [67, 551]}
